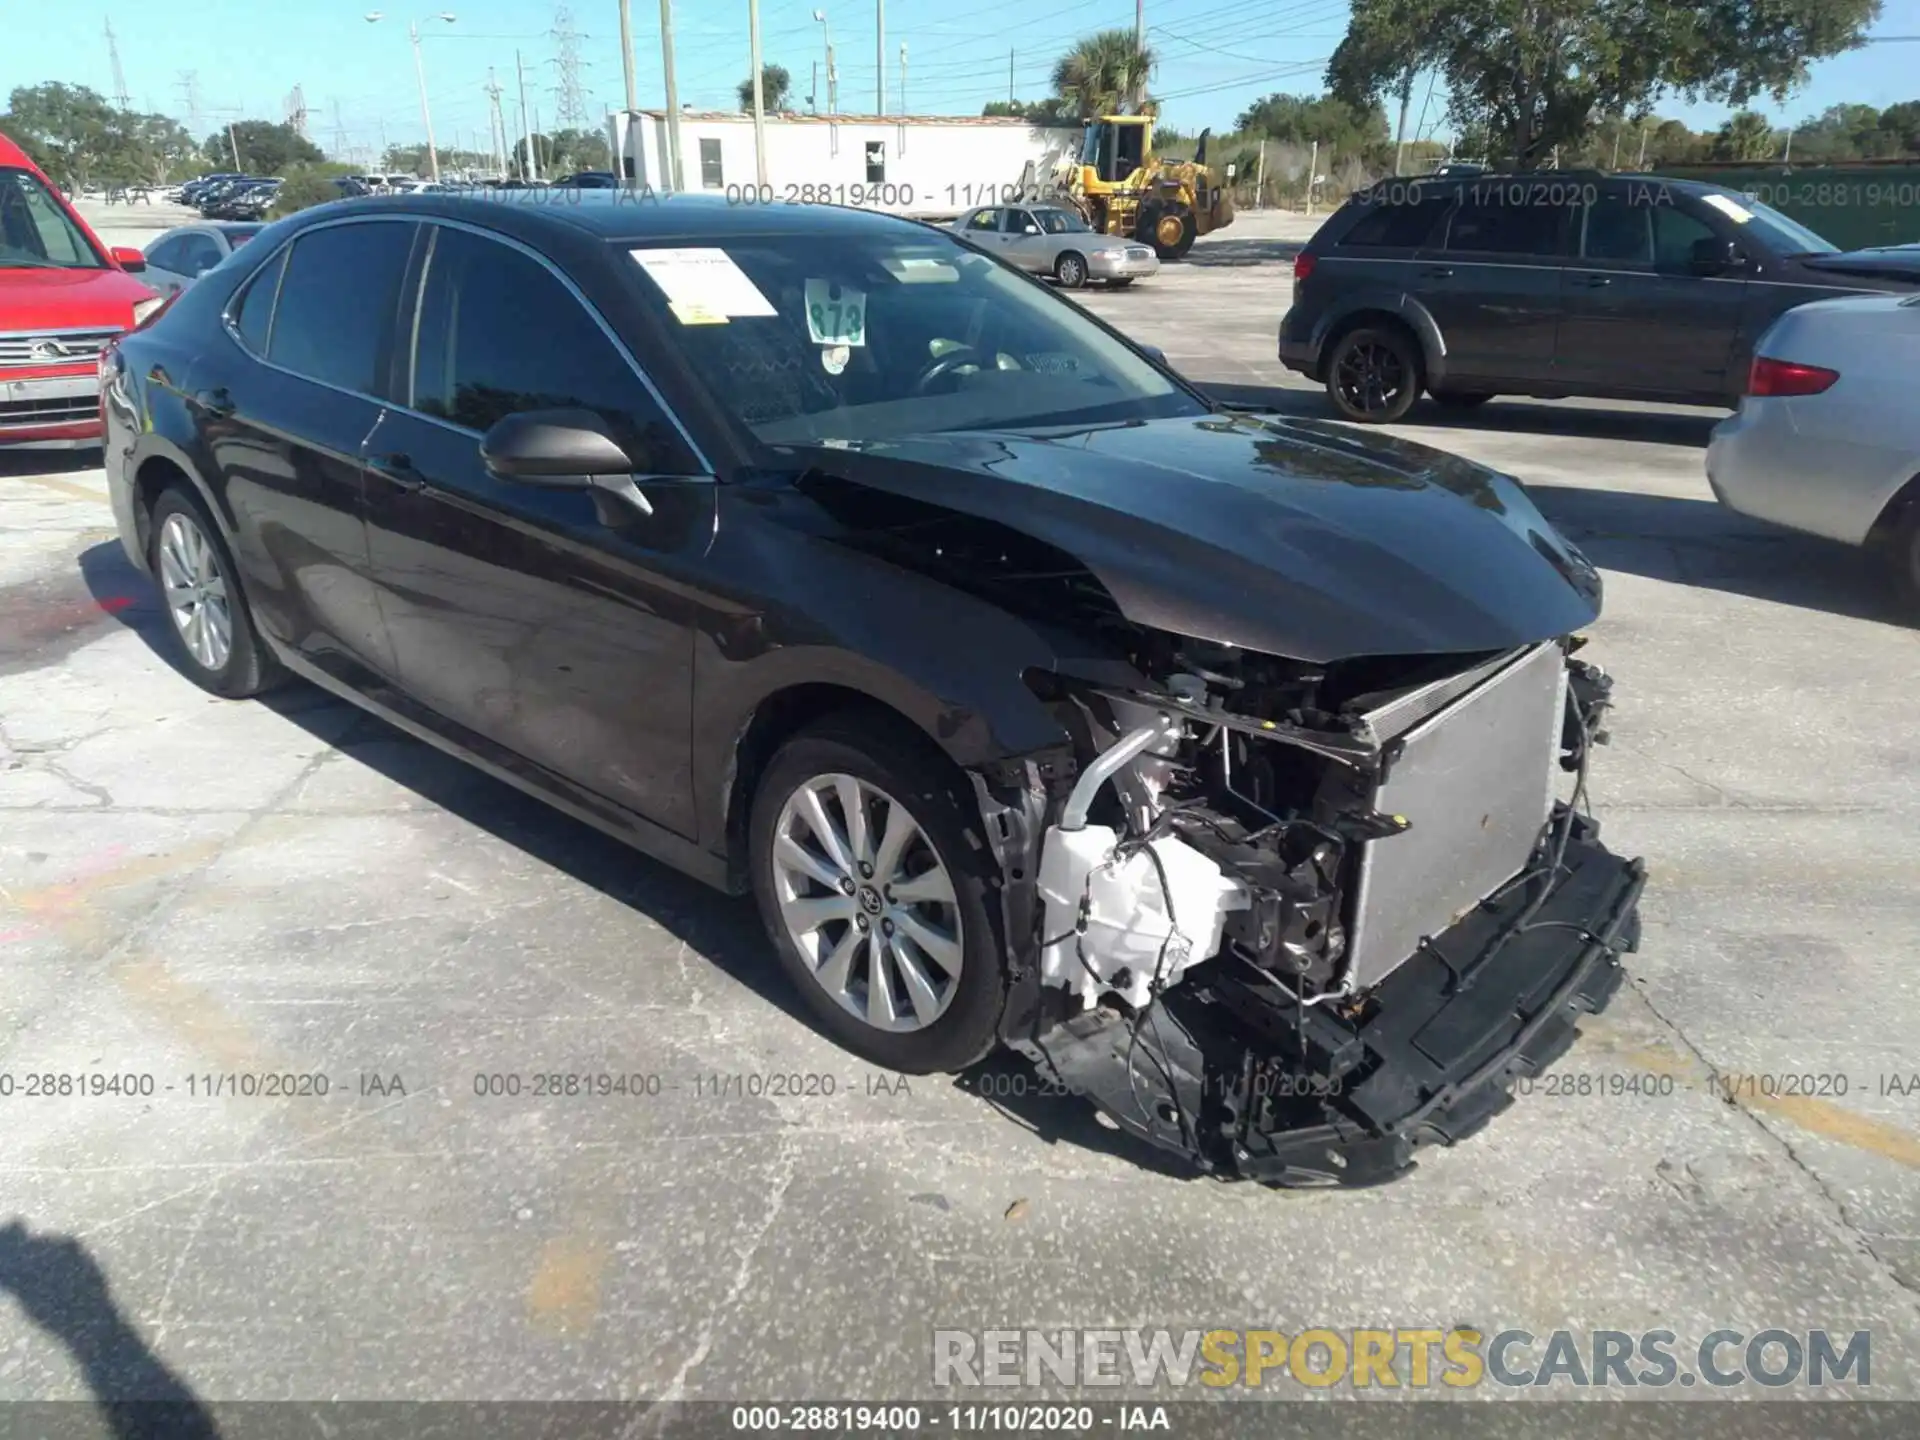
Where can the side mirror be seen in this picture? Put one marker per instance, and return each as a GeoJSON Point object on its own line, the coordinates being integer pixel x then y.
{"type": "Point", "coordinates": [1154, 353]}
{"type": "Point", "coordinates": [1713, 256]}
{"type": "Point", "coordinates": [561, 450]}
{"type": "Point", "coordinates": [129, 259]}
{"type": "Point", "coordinates": [1031, 229]}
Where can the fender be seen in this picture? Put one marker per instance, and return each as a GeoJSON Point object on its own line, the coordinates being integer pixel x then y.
{"type": "Point", "coordinates": [1433, 346]}
{"type": "Point", "coordinates": [814, 621]}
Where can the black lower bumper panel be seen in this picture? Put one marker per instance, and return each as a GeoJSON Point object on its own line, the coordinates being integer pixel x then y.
{"type": "Point", "coordinates": [1234, 1073]}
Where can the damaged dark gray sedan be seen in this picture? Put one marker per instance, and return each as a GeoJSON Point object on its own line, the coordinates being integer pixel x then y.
{"type": "Point", "coordinates": [1231, 769]}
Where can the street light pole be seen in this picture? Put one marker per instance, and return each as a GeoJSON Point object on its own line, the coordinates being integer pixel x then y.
{"type": "Point", "coordinates": [675, 170]}
{"type": "Point", "coordinates": [880, 53]}
{"type": "Point", "coordinates": [420, 74]}
{"type": "Point", "coordinates": [826, 31]}
{"type": "Point", "coordinates": [759, 98]}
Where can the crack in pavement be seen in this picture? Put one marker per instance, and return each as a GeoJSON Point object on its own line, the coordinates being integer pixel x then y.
{"type": "Point", "coordinates": [1842, 1223]}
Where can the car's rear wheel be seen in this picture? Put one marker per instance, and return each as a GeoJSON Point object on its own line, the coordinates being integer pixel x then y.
{"type": "Point", "coordinates": [1461, 399]}
{"type": "Point", "coordinates": [1373, 375]}
{"type": "Point", "coordinates": [874, 882]}
{"type": "Point", "coordinates": [219, 648]}
{"type": "Point", "coordinates": [1070, 270]}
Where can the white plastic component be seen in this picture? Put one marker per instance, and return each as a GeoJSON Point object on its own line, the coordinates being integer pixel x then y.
{"type": "Point", "coordinates": [1127, 915]}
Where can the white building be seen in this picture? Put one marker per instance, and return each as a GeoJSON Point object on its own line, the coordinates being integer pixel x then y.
{"type": "Point", "coordinates": [907, 164]}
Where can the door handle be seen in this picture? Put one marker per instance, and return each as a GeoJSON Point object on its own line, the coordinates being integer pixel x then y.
{"type": "Point", "coordinates": [217, 403]}
{"type": "Point", "coordinates": [1437, 272]}
{"type": "Point", "coordinates": [397, 470]}
{"type": "Point", "coordinates": [1594, 282]}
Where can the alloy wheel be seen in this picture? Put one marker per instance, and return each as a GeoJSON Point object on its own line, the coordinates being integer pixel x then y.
{"type": "Point", "coordinates": [1371, 377]}
{"type": "Point", "coordinates": [867, 902]}
{"type": "Point", "coordinates": [196, 592]}
{"type": "Point", "coordinates": [1072, 270]}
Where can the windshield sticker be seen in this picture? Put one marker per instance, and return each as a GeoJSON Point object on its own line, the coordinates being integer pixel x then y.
{"type": "Point", "coordinates": [836, 314]}
{"type": "Point", "coordinates": [919, 269]}
{"type": "Point", "coordinates": [1730, 208]}
{"type": "Point", "coordinates": [703, 286]}
{"type": "Point", "coordinates": [834, 359]}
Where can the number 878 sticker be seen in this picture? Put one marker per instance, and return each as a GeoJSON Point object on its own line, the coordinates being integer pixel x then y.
{"type": "Point", "coordinates": [836, 314]}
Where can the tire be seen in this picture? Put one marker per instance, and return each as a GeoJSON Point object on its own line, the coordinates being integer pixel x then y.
{"type": "Point", "coordinates": [1461, 399]}
{"type": "Point", "coordinates": [1070, 270]}
{"type": "Point", "coordinates": [1168, 228]}
{"type": "Point", "coordinates": [1373, 374]}
{"type": "Point", "coordinates": [941, 1022]}
{"type": "Point", "coordinates": [223, 651]}
{"type": "Point", "coordinates": [1902, 559]}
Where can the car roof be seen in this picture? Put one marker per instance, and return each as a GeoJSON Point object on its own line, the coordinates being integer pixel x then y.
{"type": "Point", "coordinates": [1552, 177]}
{"type": "Point", "coordinates": [624, 214]}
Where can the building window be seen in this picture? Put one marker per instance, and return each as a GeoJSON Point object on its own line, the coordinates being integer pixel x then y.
{"type": "Point", "coordinates": [876, 162]}
{"type": "Point", "coordinates": [710, 175]}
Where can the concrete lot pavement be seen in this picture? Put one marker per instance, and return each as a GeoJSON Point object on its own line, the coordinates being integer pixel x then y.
{"type": "Point", "coordinates": [193, 888]}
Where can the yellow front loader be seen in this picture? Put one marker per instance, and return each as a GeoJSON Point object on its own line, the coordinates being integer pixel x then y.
{"type": "Point", "coordinates": [1123, 188]}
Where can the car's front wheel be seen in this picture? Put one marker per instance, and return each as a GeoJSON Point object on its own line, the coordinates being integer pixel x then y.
{"type": "Point", "coordinates": [1373, 375]}
{"type": "Point", "coordinates": [874, 882]}
{"type": "Point", "coordinates": [219, 648]}
{"type": "Point", "coordinates": [1070, 270]}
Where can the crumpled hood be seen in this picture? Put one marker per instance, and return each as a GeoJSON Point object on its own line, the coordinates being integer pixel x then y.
{"type": "Point", "coordinates": [1297, 538]}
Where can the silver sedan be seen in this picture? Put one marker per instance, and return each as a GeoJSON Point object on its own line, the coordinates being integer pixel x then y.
{"type": "Point", "coordinates": [183, 254]}
{"type": "Point", "coordinates": [1827, 437]}
{"type": "Point", "coordinates": [1053, 240]}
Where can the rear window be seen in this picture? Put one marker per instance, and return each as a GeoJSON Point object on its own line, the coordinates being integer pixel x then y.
{"type": "Point", "coordinates": [1403, 226]}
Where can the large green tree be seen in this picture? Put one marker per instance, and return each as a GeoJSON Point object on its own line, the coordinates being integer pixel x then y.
{"type": "Point", "coordinates": [1747, 136]}
{"type": "Point", "coordinates": [1535, 73]}
{"type": "Point", "coordinates": [77, 137]}
{"type": "Point", "coordinates": [1340, 128]}
{"type": "Point", "coordinates": [775, 84]}
{"type": "Point", "coordinates": [1105, 74]}
{"type": "Point", "coordinates": [266, 148]}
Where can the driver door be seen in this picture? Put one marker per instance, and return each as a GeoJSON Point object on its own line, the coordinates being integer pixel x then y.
{"type": "Point", "coordinates": [1025, 242]}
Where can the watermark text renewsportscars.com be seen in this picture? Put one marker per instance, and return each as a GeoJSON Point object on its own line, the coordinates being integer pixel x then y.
{"type": "Point", "coordinates": [1415, 1358]}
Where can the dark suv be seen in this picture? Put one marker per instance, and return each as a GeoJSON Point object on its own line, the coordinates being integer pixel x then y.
{"type": "Point", "coordinates": [1629, 287]}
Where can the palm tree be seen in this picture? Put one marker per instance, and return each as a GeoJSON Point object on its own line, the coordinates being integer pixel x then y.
{"type": "Point", "coordinates": [774, 85]}
{"type": "Point", "coordinates": [1105, 74]}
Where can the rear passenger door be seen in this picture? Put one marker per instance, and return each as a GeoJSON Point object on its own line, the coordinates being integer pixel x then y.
{"type": "Point", "coordinates": [554, 624]}
{"type": "Point", "coordinates": [1636, 317]}
{"type": "Point", "coordinates": [1492, 282]}
{"type": "Point", "coordinates": [285, 412]}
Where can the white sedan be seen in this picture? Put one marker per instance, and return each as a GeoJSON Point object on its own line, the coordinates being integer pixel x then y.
{"type": "Point", "coordinates": [1827, 437]}
{"type": "Point", "coordinates": [183, 254]}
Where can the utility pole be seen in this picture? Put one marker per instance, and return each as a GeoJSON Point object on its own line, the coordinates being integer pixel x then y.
{"type": "Point", "coordinates": [826, 33]}
{"type": "Point", "coordinates": [1260, 177]}
{"type": "Point", "coordinates": [759, 98]}
{"type": "Point", "coordinates": [880, 53]}
{"type": "Point", "coordinates": [496, 126]}
{"type": "Point", "coordinates": [529, 162]}
{"type": "Point", "coordinates": [673, 96]}
{"type": "Point", "coordinates": [903, 77]}
{"type": "Point", "coordinates": [234, 145]}
{"type": "Point", "coordinates": [626, 54]}
{"type": "Point", "coordinates": [813, 90]}
{"type": "Point", "coordinates": [1313, 169]}
{"type": "Point", "coordinates": [1400, 131]}
{"type": "Point", "coordinates": [1010, 75]}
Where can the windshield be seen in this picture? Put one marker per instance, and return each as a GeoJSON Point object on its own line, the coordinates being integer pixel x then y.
{"type": "Point", "coordinates": [876, 336]}
{"type": "Point", "coordinates": [1061, 222]}
{"type": "Point", "coordinates": [1774, 230]}
{"type": "Point", "coordinates": [35, 232]}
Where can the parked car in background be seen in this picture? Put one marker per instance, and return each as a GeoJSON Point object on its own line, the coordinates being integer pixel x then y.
{"type": "Point", "coordinates": [351, 186]}
{"type": "Point", "coordinates": [1827, 437]}
{"type": "Point", "coordinates": [1551, 284]}
{"type": "Point", "coordinates": [1053, 240]}
{"type": "Point", "coordinates": [246, 200]}
{"type": "Point", "coordinates": [588, 180]}
{"type": "Point", "coordinates": [64, 297]}
{"type": "Point", "coordinates": [183, 254]}
{"type": "Point", "coordinates": [192, 192]}
{"type": "Point", "coordinates": [817, 553]}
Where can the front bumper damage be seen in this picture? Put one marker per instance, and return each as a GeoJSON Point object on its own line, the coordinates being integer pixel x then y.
{"type": "Point", "coordinates": [1231, 1036]}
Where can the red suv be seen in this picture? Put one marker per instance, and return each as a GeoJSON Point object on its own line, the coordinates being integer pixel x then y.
{"type": "Point", "coordinates": [64, 297]}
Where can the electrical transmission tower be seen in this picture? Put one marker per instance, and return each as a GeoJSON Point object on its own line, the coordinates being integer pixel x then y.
{"type": "Point", "coordinates": [339, 135]}
{"type": "Point", "coordinates": [297, 112]}
{"type": "Point", "coordinates": [120, 96]}
{"type": "Point", "coordinates": [189, 88]}
{"type": "Point", "coordinates": [572, 102]}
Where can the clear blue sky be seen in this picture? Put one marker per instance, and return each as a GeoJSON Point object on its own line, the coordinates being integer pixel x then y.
{"type": "Point", "coordinates": [248, 55]}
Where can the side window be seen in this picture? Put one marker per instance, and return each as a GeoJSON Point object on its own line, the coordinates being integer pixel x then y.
{"type": "Point", "coordinates": [984, 220]}
{"type": "Point", "coordinates": [198, 254]}
{"type": "Point", "coordinates": [1619, 231]}
{"type": "Point", "coordinates": [166, 255]}
{"type": "Point", "coordinates": [337, 301]}
{"type": "Point", "coordinates": [255, 315]}
{"type": "Point", "coordinates": [710, 173]}
{"type": "Point", "coordinates": [1675, 233]}
{"type": "Point", "coordinates": [876, 162]}
{"type": "Point", "coordinates": [1132, 149]}
{"type": "Point", "coordinates": [1017, 221]}
{"type": "Point", "coordinates": [1397, 227]}
{"type": "Point", "coordinates": [1506, 229]}
{"type": "Point", "coordinates": [497, 334]}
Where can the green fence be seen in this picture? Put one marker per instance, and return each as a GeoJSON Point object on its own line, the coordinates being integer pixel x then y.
{"type": "Point", "coordinates": [1854, 206]}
